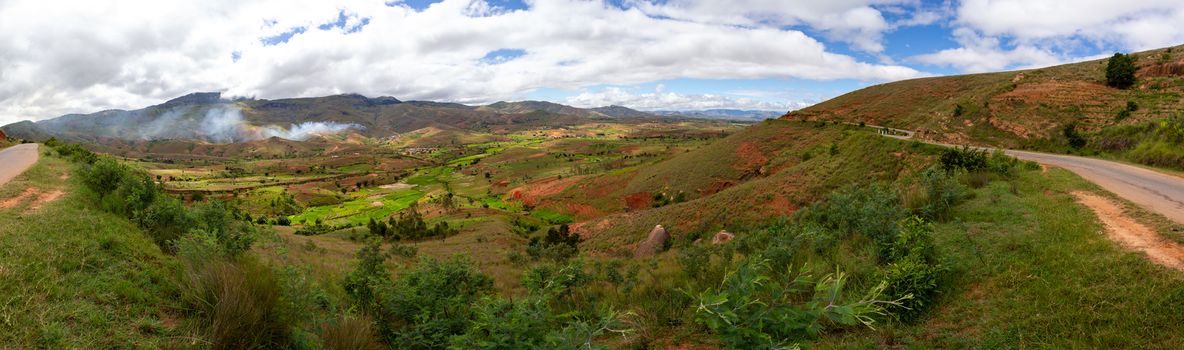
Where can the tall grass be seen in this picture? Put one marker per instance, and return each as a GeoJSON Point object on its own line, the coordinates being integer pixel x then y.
{"type": "Point", "coordinates": [237, 300]}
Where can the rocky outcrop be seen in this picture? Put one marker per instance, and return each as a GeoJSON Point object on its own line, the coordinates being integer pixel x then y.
{"type": "Point", "coordinates": [652, 244]}
{"type": "Point", "coordinates": [722, 237]}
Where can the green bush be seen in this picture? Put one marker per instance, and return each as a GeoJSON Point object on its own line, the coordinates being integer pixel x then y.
{"type": "Point", "coordinates": [1075, 139]}
{"type": "Point", "coordinates": [941, 194]}
{"type": "Point", "coordinates": [427, 305]}
{"type": "Point", "coordinates": [912, 276]}
{"type": "Point", "coordinates": [964, 158]}
{"type": "Point", "coordinates": [370, 275]}
{"type": "Point", "coordinates": [166, 220]}
{"type": "Point", "coordinates": [104, 176]}
{"type": "Point", "coordinates": [751, 310]}
{"type": "Point", "coordinates": [1120, 71]}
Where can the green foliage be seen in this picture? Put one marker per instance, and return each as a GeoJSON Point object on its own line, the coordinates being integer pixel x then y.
{"type": "Point", "coordinates": [73, 152]}
{"type": "Point", "coordinates": [368, 277]}
{"type": "Point", "coordinates": [1156, 143]}
{"type": "Point", "coordinates": [913, 275]}
{"type": "Point", "coordinates": [1075, 139]}
{"type": "Point", "coordinates": [750, 309]}
{"type": "Point", "coordinates": [216, 220]}
{"type": "Point", "coordinates": [871, 211]}
{"type": "Point", "coordinates": [1120, 71]}
{"type": "Point", "coordinates": [429, 304]}
{"type": "Point", "coordinates": [559, 244]}
{"type": "Point", "coordinates": [964, 158]}
{"type": "Point", "coordinates": [531, 322]}
{"type": "Point", "coordinates": [409, 225]}
{"type": "Point", "coordinates": [942, 192]}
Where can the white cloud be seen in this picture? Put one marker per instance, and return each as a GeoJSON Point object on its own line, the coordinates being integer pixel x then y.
{"type": "Point", "coordinates": [984, 54]}
{"type": "Point", "coordinates": [855, 22]}
{"type": "Point", "coordinates": [1132, 24]}
{"type": "Point", "coordinates": [59, 56]}
{"type": "Point", "coordinates": [1004, 34]}
{"type": "Point", "coordinates": [661, 100]}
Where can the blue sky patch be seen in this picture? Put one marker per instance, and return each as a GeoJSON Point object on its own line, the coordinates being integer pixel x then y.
{"type": "Point", "coordinates": [500, 56]}
{"type": "Point", "coordinates": [282, 37]}
{"type": "Point", "coordinates": [343, 20]}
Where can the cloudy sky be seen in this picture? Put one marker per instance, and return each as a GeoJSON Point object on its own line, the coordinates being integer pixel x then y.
{"type": "Point", "coordinates": [59, 57]}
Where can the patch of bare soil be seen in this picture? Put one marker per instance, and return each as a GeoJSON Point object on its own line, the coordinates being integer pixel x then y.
{"type": "Point", "coordinates": [1131, 234]}
{"type": "Point", "coordinates": [45, 198]}
{"type": "Point", "coordinates": [9, 203]}
{"type": "Point", "coordinates": [65, 176]}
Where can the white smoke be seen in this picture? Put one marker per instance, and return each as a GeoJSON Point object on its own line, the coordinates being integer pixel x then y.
{"type": "Point", "coordinates": [226, 125]}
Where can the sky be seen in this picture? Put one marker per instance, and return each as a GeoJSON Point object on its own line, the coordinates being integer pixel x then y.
{"type": "Point", "coordinates": [59, 57]}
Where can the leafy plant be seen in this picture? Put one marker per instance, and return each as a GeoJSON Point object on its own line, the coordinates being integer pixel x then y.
{"type": "Point", "coordinates": [751, 310]}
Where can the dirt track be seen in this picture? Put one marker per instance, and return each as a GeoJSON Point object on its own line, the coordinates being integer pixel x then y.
{"type": "Point", "coordinates": [1132, 234]}
{"type": "Point", "coordinates": [15, 160]}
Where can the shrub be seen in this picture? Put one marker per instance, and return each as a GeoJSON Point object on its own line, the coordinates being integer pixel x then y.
{"type": "Point", "coordinates": [1075, 139]}
{"type": "Point", "coordinates": [964, 158]}
{"type": "Point", "coordinates": [558, 244]}
{"type": "Point", "coordinates": [912, 276]}
{"type": "Point", "coordinates": [871, 211]}
{"type": "Point", "coordinates": [368, 277]}
{"type": "Point", "coordinates": [429, 304]}
{"type": "Point", "coordinates": [166, 220]}
{"type": "Point", "coordinates": [403, 250]}
{"type": "Point", "coordinates": [1120, 71]}
{"type": "Point", "coordinates": [283, 221]}
{"type": "Point", "coordinates": [751, 310]}
{"type": "Point", "coordinates": [941, 193]}
{"type": "Point", "coordinates": [215, 218]}
{"type": "Point", "coordinates": [238, 301]}
{"type": "Point", "coordinates": [104, 176]}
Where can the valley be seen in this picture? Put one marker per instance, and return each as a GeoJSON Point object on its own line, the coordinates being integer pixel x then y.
{"type": "Point", "coordinates": [354, 222]}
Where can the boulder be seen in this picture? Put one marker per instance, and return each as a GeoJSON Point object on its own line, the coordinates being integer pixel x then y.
{"type": "Point", "coordinates": [722, 237]}
{"type": "Point", "coordinates": [652, 244]}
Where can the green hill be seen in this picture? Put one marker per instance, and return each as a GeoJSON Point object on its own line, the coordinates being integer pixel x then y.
{"type": "Point", "coordinates": [1011, 108]}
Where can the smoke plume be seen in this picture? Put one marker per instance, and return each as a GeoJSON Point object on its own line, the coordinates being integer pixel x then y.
{"type": "Point", "coordinates": [226, 125]}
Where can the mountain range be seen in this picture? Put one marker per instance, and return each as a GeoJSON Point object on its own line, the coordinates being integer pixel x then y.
{"type": "Point", "coordinates": [207, 116]}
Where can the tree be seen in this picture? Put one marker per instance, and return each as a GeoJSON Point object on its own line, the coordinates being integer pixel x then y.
{"type": "Point", "coordinates": [1120, 71]}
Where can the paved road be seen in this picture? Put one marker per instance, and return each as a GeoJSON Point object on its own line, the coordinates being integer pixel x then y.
{"type": "Point", "coordinates": [1155, 191]}
{"type": "Point", "coordinates": [15, 160]}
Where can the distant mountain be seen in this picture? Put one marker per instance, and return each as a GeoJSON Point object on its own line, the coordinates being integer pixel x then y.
{"type": "Point", "coordinates": [207, 116]}
{"type": "Point", "coordinates": [621, 112]}
{"type": "Point", "coordinates": [726, 114]}
{"type": "Point", "coordinates": [531, 106]}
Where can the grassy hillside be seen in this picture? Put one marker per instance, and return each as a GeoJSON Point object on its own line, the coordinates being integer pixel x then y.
{"type": "Point", "coordinates": [789, 165]}
{"type": "Point", "coordinates": [73, 276]}
{"type": "Point", "coordinates": [1008, 108]}
{"type": "Point", "coordinates": [1031, 268]}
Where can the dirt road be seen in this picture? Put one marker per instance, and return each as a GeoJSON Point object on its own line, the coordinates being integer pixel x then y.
{"type": "Point", "coordinates": [15, 160]}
